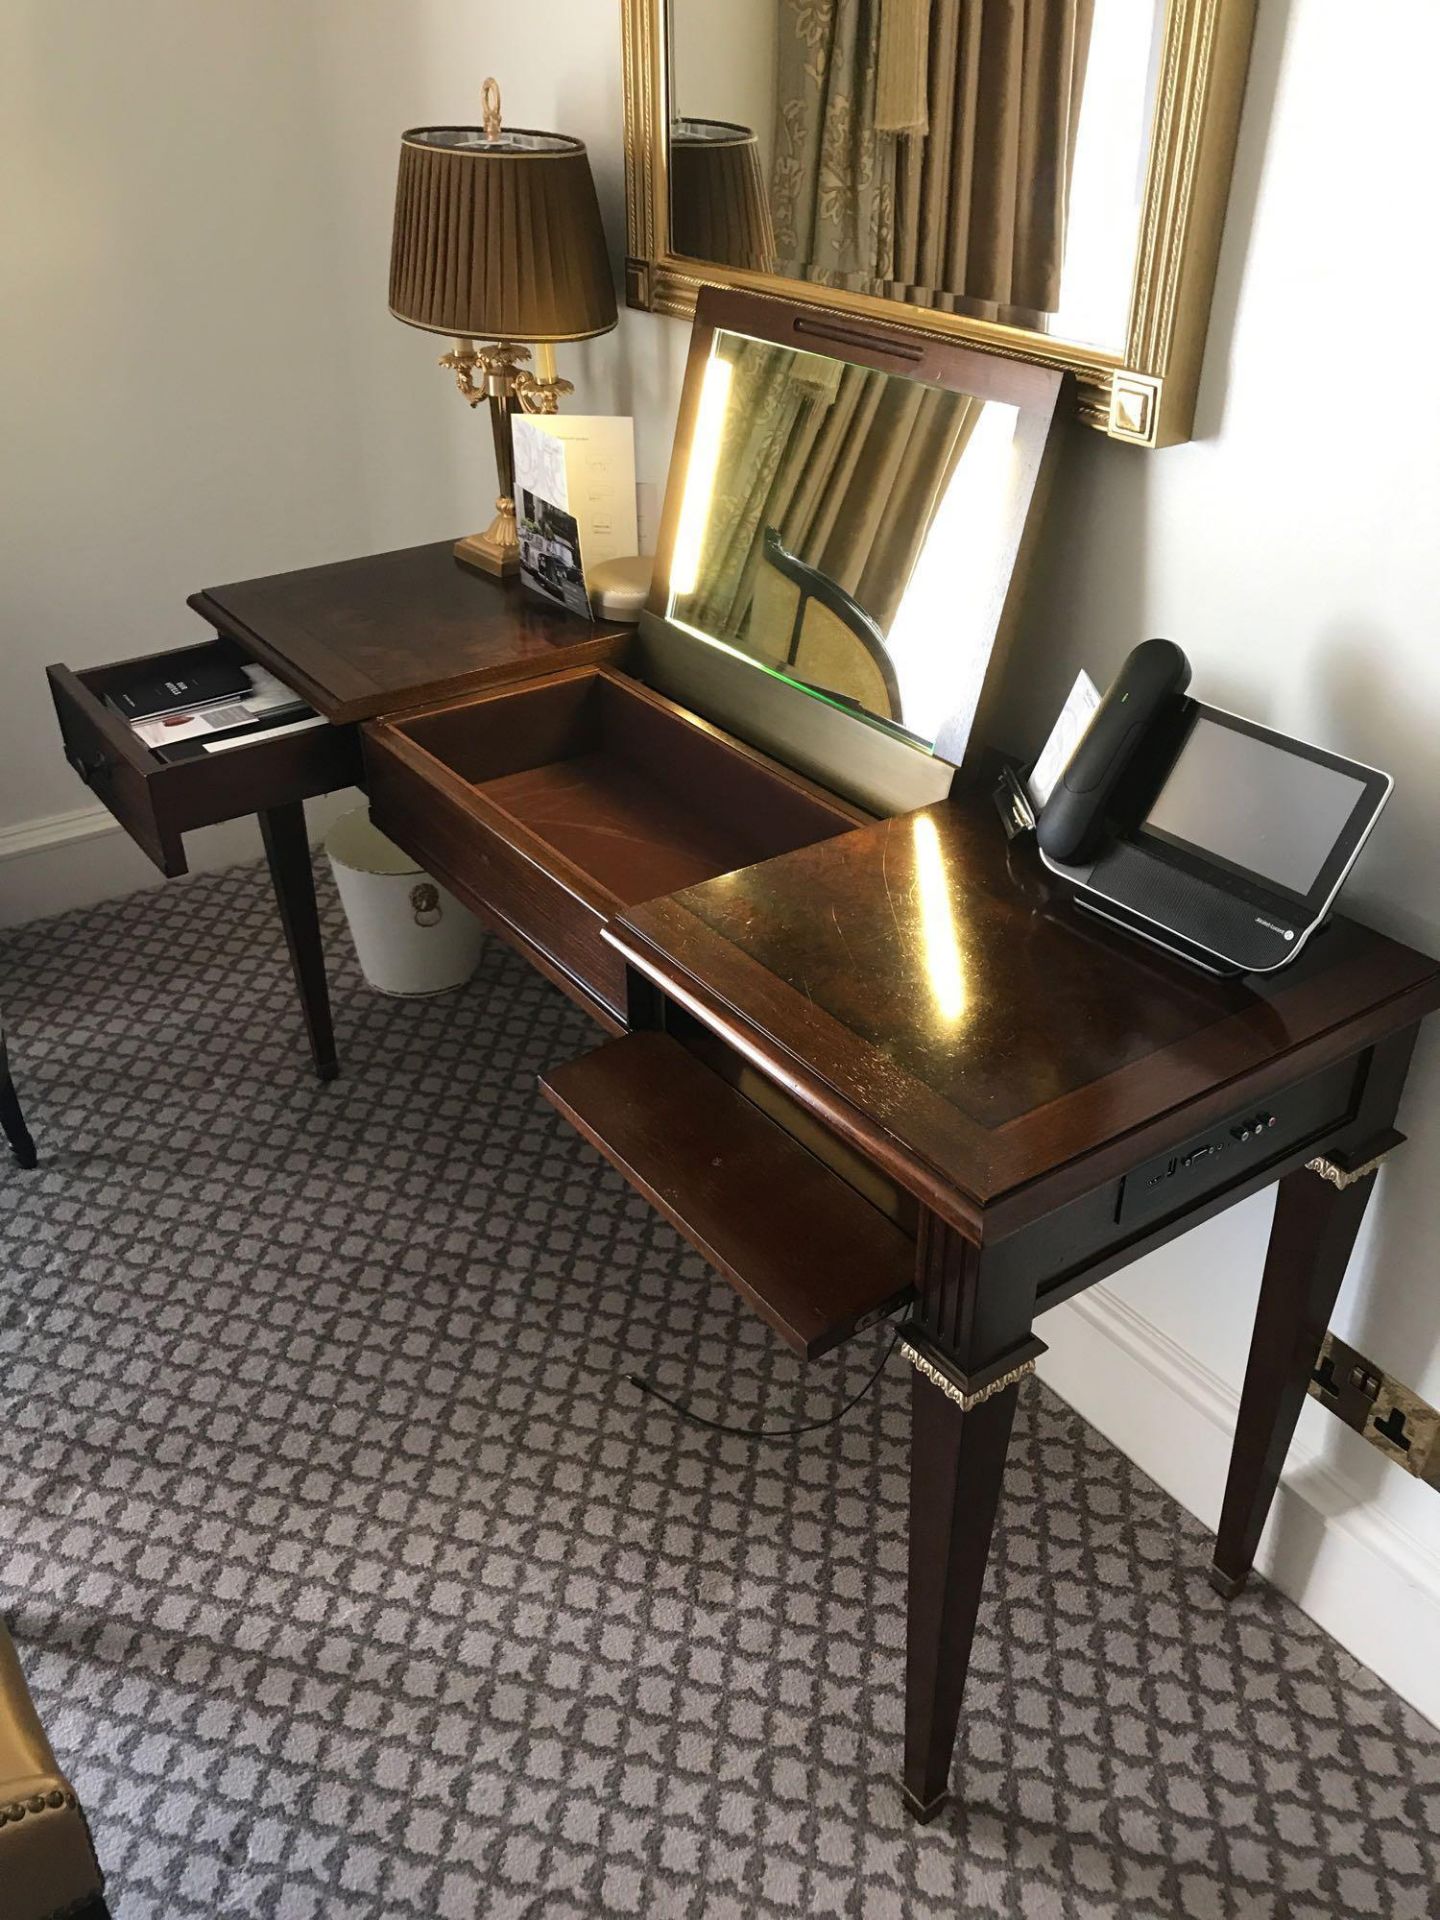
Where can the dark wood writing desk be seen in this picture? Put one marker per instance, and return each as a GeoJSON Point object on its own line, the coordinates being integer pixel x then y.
{"type": "Point", "coordinates": [863, 1066]}
{"type": "Point", "coordinates": [1049, 1102]}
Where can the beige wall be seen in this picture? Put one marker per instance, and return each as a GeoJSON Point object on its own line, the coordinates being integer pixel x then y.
{"type": "Point", "coordinates": [1294, 551]}
{"type": "Point", "coordinates": [723, 66]}
{"type": "Point", "coordinates": [201, 382]}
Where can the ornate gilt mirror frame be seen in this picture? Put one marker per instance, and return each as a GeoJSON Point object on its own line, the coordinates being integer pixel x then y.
{"type": "Point", "coordinates": [1145, 396]}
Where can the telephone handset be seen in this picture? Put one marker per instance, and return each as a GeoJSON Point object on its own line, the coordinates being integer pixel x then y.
{"type": "Point", "coordinates": [1151, 680]}
{"type": "Point", "coordinates": [1219, 839]}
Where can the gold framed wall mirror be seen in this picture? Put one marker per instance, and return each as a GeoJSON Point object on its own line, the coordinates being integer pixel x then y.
{"type": "Point", "coordinates": [1045, 179]}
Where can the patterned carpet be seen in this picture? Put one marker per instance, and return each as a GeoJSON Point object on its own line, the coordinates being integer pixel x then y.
{"type": "Point", "coordinates": [352, 1579]}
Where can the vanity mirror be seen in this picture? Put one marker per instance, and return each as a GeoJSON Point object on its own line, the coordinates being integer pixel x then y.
{"type": "Point", "coordinates": [842, 522]}
{"type": "Point", "coordinates": [1044, 178]}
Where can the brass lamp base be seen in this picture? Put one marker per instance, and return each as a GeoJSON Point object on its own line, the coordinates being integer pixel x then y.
{"type": "Point", "coordinates": [504, 383]}
{"type": "Point", "coordinates": [496, 551]}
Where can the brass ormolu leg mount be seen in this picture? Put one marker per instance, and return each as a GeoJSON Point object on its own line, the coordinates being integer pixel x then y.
{"type": "Point", "coordinates": [494, 373]}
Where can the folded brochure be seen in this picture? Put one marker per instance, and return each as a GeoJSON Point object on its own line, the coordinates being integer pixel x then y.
{"type": "Point", "coordinates": [265, 702]}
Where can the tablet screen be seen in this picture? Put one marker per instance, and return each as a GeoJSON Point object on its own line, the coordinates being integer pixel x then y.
{"type": "Point", "coordinates": [1253, 805]}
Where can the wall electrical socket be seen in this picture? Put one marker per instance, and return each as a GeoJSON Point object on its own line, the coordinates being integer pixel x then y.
{"type": "Point", "coordinates": [1391, 1416]}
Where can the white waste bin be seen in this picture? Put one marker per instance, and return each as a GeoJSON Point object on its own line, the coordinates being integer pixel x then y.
{"type": "Point", "coordinates": [411, 936]}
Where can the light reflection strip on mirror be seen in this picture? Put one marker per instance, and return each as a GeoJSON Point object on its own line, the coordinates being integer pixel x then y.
{"type": "Point", "coordinates": [700, 478]}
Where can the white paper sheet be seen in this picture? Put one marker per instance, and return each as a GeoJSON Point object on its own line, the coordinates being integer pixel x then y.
{"type": "Point", "coordinates": [1075, 717]}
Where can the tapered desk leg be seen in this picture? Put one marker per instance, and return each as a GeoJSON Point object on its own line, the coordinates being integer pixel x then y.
{"type": "Point", "coordinates": [1310, 1245]}
{"type": "Point", "coordinates": [12, 1120]}
{"type": "Point", "coordinates": [957, 1462]}
{"type": "Point", "coordinates": [1318, 1210]}
{"type": "Point", "coordinates": [970, 1344]}
{"type": "Point", "coordinates": [287, 848]}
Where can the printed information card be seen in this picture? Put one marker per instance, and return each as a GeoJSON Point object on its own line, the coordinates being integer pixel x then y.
{"type": "Point", "coordinates": [574, 500]}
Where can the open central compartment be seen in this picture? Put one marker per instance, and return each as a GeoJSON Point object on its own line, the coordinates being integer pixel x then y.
{"type": "Point", "coordinates": [635, 794]}
{"type": "Point", "coordinates": [609, 794]}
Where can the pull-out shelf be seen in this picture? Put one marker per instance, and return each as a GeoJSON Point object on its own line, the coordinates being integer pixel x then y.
{"type": "Point", "coordinates": [814, 1258]}
{"type": "Point", "coordinates": [158, 803]}
{"type": "Point", "coordinates": [552, 806]}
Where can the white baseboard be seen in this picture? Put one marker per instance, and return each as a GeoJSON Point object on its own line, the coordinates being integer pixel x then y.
{"type": "Point", "coordinates": [1369, 1582]}
{"type": "Point", "coordinates": [67, 860]}
{"type": "Point", "coordinates": [58, 830]}
{"type": "Point", "coordinates": [76, 859]}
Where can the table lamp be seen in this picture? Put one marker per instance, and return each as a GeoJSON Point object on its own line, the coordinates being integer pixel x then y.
{"type": "Point", "coordinates": [498, 237]}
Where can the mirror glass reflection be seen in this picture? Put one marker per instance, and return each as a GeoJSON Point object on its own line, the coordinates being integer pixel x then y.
{"type": "Point", "coordinates": [983, 157]}
{"type": "Point", "coordinates": [851, 530]}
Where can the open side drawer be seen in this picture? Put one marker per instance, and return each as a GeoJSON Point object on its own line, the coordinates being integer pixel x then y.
{"type": "Point", "coordinates": [553, 806]}
{"type": "Point", "coordinates": [808, 1253]}
{"type": "Point", "coordinates": [157, 803]}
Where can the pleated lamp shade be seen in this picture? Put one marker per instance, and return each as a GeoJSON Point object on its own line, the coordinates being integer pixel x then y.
{"type": "Point", "coordinates": [719, 209]}
{"type": "Point", "coordinates": [499, 238]}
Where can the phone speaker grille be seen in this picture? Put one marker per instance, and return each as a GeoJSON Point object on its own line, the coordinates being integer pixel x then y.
{"type": "Point", "coordinates": [1199, 912]}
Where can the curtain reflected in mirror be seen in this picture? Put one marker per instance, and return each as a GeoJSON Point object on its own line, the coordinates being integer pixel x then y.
{"type": "Point", "coordinates": [982, 157]}
{"type": "Point", "coordinates": [850, 529]}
